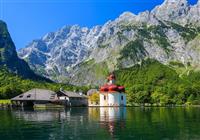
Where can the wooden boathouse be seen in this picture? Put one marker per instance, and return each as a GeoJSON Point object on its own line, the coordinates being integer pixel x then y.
{"type": "Point", "coordinates": [38, 97]}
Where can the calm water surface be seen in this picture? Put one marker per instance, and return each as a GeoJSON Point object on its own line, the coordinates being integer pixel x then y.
{"type": "Point", "coordinates": [101, 123]}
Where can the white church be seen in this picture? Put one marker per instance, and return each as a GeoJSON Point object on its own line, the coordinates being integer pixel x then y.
{"type": "Point", "coordinates": [111, 94]}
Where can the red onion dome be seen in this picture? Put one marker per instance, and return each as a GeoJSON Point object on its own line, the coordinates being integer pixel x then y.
{"type": "Point", "coordinates": [113, 88]}
{"type": "Point", "coordinates": [121, 88]}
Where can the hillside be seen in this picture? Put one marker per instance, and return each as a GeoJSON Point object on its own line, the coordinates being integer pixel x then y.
{"type": "Point", "coordinates": [154, 83]}
{"type": "Point", "coordinates": [12, 85]}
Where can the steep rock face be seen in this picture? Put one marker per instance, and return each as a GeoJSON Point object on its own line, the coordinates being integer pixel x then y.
{"type": "Point", "coordinates": [168, 33]}
{"type": "Point", "coordinates": [171, 10]}
{"type": "Point", "coordinates": [57, 52]}
{"type": "Point", "coordinates": [194, 14]}
{"type": "Point", "coordinates": [178, 11]}
{"type": "Point", "coordinates": [9, 58]}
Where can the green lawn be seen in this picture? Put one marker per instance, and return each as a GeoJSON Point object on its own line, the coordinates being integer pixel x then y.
{"type": "Point", "coordinates": [5, 102]}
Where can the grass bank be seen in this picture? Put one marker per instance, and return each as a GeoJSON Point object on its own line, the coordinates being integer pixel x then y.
{"type": "Point", "coordinates": [5, 102]}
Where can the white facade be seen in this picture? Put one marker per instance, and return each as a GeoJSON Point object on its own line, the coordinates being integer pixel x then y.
{"type": "Point", "coordinates": [101, 97]}
{"type": "Point", "coordinates": [112, 99]}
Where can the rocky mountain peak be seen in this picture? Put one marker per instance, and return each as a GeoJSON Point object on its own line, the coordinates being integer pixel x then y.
{"type": "Point", "coordinates": [7, 47]}
{"type": "Point", "coordinates": [175, 2]}
{"type": "Point", "coordinates": [171, 9]}
{"type": "Point", "coordinates": [198, 3]}
{"type": "Point", "coordinates": [160, 34]}
{"type": "Point", "coordinates": [3, 29]}
{"type": "Point", "coordinates": [126, 16]}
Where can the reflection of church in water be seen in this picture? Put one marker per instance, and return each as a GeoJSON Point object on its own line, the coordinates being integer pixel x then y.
{"type": "Point", "coordinates": [112, 118]}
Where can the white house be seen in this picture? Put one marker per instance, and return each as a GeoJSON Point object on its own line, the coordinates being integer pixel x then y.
{"type": "Point", "coordinates": [111, 94]}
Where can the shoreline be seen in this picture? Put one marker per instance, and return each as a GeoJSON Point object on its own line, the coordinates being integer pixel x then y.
{"type": "Point", "coordinates": [10, 106]}
{"type": "Point", "coordinates": [7, 104]}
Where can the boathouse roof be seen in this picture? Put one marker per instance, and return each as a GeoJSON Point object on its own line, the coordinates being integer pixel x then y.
{"type": "Point", "coordinates": [36, 94]}
{"type": "Point", "coordinates": [73, 94]}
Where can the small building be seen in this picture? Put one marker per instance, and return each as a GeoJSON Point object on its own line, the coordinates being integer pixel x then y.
{"type": "Point", "coordinates": [36, 97]}
{"type": "Point", "coordinates": [111, 94]}
{"type": "Point", "coordinates": [93, 97]}
{"type": "Point", "coordinates": [73, 98]}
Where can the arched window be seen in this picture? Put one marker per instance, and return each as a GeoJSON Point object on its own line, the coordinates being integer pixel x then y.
{"type": "Point", "coordinates": [122, 97]}
{"type": "Point", "coordinates": [104, 97]}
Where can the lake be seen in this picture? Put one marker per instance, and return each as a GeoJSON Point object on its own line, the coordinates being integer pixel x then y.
{"type": "Point", "coordinates": [101, 123]}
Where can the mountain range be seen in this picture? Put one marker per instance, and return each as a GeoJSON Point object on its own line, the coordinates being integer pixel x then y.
{"type": "Point", "coordinates": [170, 34]}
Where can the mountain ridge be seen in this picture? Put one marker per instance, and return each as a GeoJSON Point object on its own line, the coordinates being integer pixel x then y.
{"type": "Point", "coordinates": [162, 34]}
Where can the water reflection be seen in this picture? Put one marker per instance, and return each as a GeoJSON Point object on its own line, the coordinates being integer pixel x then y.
{"type": "Point", "coordinates": [49, 115]}
{"type": "Point", "coordinates": [39, 116]}
{"type": "Point", "coordinates": [101, 123]}
{"type": "Point", "coordinates": [112, 114]}
{"type": "Point", "coordinates": [108, 118]}
{"type": "Point", "coordinates": [108, 114]}
{"type": "Point", "coordinates": [112, 117]}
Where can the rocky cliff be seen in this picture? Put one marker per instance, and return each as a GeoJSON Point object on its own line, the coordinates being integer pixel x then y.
{"type": "Point", "coordinates": [81, 55]}
{"type": "Point", "coordinates": [9, 58]}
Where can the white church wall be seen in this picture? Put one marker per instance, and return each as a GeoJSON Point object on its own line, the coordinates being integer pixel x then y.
{"type": "Point", "coordinates": [103, 100]}
{"type": "Point", "coordinates": [112, 99]}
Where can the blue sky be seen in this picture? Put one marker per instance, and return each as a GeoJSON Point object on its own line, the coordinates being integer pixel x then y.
{"type": "Point", "coordinates": [31, 19]}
